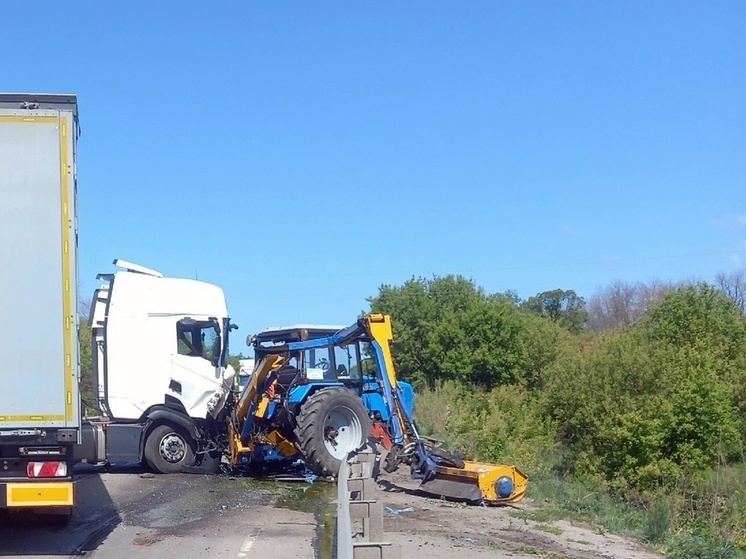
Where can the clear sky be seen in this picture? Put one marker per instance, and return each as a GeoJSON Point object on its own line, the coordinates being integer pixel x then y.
{"type": "Point", "coordinates": [301, 154]}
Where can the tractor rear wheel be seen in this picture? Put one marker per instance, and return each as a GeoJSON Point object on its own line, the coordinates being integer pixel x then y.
{"type": "Point", "coordinates": [332, 423]}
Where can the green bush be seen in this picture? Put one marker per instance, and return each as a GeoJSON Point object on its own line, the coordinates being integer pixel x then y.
{"type": "Point", "coordinates": [713, 504]}
{"type": "Point", "coordinates": [505, 425]}
{"type": "Point", "coordinates": [697, 547]}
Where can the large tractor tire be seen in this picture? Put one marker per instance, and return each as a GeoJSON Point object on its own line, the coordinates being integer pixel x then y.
{"type": "Point", "coordinates": [332, 423]}
{"type": "Point", "coordinates": [167, 449]}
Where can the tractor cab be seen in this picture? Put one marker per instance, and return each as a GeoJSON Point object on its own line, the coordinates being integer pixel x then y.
{"type": "Point", "coordinates": [348, 362]}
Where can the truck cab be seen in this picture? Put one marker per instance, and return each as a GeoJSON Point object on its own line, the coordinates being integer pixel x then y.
{"type": "Point", "coordinates": [160, 350]}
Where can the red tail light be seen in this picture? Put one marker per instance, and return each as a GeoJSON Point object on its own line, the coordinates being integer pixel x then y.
{"type": "Point", "coordinates": [46, 469]}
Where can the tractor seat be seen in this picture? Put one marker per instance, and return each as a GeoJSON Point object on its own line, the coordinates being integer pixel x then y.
{"type": "Point", "coordinates": [286, 375]}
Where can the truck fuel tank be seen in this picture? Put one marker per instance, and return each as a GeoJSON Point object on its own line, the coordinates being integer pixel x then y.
{"type": "Point", "coordinates": [93, 446]}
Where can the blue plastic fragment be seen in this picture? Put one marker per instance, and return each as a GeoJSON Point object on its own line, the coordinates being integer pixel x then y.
{"type": "Point", "coordinates": [397, 512]}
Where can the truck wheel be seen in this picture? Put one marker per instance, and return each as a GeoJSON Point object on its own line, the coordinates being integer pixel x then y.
{"type": "Point", "coordinates": [167, 449]}
{"type": "Point", "coordinates": [332, 423]}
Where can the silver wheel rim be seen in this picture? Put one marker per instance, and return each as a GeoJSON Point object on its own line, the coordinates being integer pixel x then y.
{"type": "Point", "coordinates": [172, 448]}
{"type": "Point", "coordinates": [343, 432]}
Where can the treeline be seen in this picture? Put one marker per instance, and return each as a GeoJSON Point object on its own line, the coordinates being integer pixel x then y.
{"type": "Point", "coordinates": [641, 391]}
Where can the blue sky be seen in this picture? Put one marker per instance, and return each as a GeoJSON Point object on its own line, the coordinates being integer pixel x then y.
{"type": "Point", "coordinates": [301, 154]}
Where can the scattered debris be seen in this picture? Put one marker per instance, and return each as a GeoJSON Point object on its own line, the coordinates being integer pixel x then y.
{"type": "Point", "coordinates": [397, 512]}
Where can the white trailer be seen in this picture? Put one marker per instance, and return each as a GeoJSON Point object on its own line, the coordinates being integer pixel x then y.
{"type": "Point", "coordinates": [40, 421]}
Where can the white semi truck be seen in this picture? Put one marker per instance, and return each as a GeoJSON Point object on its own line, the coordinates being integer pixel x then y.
{"type": "Point", "coordinates": [160, 344]}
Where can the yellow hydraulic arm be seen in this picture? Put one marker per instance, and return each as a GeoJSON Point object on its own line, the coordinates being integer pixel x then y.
{"type": "Point", "coordinates": [240, 445]}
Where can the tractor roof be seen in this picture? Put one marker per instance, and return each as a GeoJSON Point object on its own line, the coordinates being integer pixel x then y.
{"type": "Point", "coordinates": [285, 334]}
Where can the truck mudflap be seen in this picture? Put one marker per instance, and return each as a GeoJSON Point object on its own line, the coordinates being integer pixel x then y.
{"type": "Point", "coordinates": [37, 494]}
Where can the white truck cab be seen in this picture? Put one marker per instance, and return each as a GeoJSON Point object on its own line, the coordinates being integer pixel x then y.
{"type": "Point", "coordinates": [160, 350]}
{"type": "Point", "coordinates": [157, 339]}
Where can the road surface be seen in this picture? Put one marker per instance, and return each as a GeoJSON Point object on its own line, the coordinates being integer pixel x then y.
{"type": "Point", "coordinates": [130, 514]}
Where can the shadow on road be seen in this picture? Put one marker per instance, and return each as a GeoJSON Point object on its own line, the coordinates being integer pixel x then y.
{"type": "Point", "coordinates": [94, 518]}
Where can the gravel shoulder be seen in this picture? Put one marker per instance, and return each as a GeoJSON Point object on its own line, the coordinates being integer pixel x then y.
{"type": "Point", "coordinates": [442, 529]}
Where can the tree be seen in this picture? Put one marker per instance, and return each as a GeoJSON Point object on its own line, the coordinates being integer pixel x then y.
{"type": "Point", "coordinates": [622, 304]}
{"type": "Point", "coordinates": [447, 328]}
{"type": "Point", "coordinates": [563, 307]}
{"type": "Point", "coordinates": [88, 392]}
{"type": "Point", "coordinates": [698, 316]}
{"type": "Point", "coordinates": [734, 287]}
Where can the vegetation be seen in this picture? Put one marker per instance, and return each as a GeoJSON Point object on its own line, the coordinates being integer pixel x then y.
{"type": "Point", "coordinates": [629, 411]}
{"type": "Point", "coordinates": [87, 394]}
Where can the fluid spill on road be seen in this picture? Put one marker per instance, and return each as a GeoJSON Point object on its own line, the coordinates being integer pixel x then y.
{"type": "Point", "coordinates": [189, 499]}
{"type": "Point", "coordinates": [186, 500]}
{"type": "Point", "coordinates": [319, 499]}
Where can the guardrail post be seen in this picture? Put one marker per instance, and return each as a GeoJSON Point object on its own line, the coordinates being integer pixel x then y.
{"type": "Point", "coordinates": [357, 476]}
{"type": "Point", "coordinates": [344, 523]}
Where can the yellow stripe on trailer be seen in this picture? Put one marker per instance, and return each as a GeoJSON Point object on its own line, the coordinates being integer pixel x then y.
{"type": "Point", "coordinates": [67, 289]}
{"type": "Point", "coordinates": [30, 418]}
{"type": "Point", "coordinates": [39, 494]}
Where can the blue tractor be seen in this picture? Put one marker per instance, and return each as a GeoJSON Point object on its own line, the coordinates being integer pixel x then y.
{"type": "Point", "coordinates": [319, 393]}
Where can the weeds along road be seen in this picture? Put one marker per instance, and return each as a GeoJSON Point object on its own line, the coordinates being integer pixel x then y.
{"type": "Point", "coordinates": [129, 514]}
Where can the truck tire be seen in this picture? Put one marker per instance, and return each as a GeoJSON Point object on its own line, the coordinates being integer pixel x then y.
{"type": "Point", "coordinates": [332, 423]}
{"type": "Point", "coordinates": [167, 449]}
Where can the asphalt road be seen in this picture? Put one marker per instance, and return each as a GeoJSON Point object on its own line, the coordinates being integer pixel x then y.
{"type": "Point", "coordinates": [130, 514]}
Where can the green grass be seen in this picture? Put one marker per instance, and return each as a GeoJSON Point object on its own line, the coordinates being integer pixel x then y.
{"type": "Point", "coordinates": [695, 547]}
{"type": "Point", "coordinates": [546, 514]}
{"type": "Point", "coordinates": [549, 529]}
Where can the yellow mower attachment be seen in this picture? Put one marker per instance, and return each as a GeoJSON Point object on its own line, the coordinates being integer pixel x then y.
{"type": "Point", "coordinates": [476, 482]}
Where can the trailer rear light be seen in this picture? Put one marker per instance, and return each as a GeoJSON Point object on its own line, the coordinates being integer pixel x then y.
{"type": "Point", "coordinates": [46, 469]}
